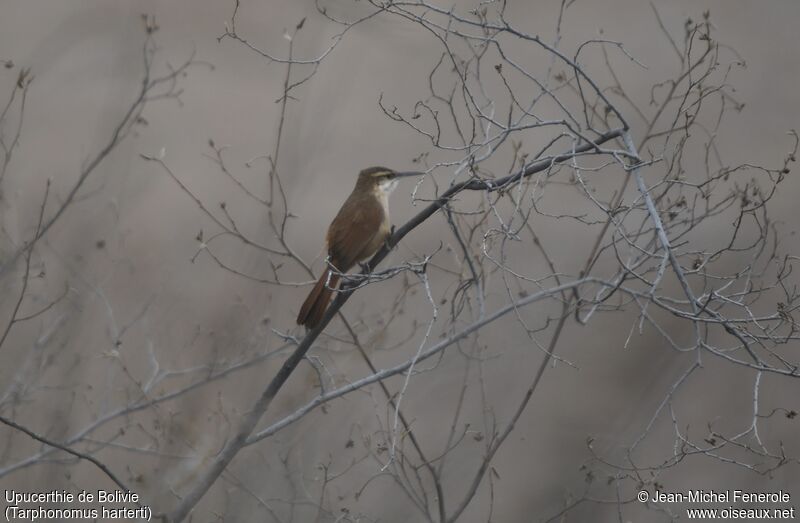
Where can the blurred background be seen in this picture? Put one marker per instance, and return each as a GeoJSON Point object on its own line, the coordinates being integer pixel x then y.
{"type": "Point", "coordinates": [141, 297]}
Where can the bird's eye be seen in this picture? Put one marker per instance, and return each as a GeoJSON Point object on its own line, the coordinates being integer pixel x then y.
{"type": "Point", "coordinates": [389, 176]}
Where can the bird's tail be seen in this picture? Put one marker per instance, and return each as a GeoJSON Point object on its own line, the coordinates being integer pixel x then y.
{"type": "Point", "coordinates": [313, 308]}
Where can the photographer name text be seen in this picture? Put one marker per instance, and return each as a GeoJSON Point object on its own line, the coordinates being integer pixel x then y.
{"type": "Point", "coordinates": [720, 496]}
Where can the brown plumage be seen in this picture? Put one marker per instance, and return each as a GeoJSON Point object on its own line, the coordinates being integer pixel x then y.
{"type": "Point", "coordinates": [355, 234]}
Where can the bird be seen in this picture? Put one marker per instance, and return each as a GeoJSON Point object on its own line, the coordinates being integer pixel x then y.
{"type": "Point", "coordinates": [359, 229]}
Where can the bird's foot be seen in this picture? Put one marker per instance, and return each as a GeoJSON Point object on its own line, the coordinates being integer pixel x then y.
{"type": "Point", "coordinates": [389, 237]}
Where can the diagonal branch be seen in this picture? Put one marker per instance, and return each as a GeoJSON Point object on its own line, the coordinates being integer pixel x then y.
{"type": "Point", "coordinates": [121, 130]}
{"type": "Point", "coordinates": [79, 455]}
{"type": "Point", "coordinates": [248, 424]}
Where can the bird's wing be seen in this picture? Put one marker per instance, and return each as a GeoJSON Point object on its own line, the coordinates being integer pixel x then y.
{"type": "Point", "coordinates": [352, 232]}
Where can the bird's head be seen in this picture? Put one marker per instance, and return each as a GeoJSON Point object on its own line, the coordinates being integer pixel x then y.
{"type": "Point", "coordinates": [382, 178]}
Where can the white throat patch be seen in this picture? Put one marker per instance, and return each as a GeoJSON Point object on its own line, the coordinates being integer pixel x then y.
{"type": "Point", "coordinates": [387, 186]}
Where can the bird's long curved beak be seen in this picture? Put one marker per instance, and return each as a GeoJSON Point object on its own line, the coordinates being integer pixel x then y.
{"type": "Point", "coordinates": [405, 174]}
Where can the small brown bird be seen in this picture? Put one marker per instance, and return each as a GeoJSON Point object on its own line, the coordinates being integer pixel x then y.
{"type": "Point", "coordinates": [356, 233]}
